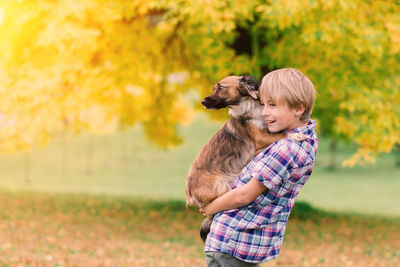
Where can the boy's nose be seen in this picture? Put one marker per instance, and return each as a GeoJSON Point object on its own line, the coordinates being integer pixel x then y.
{"type": "Point", "coordinates": [264, 111]}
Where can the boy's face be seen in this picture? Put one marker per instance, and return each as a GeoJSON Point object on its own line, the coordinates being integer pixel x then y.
{"type": "Point", "coordinates": [279, 116]}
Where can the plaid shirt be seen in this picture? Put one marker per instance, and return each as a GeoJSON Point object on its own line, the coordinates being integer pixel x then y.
{"type": "Point", "coordinates": [254, 233]}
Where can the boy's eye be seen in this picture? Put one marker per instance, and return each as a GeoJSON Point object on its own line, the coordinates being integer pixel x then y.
{"type": "Point", "coordinates": [271, 104]}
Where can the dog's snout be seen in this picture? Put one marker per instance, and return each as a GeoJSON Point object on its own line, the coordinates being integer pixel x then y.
{"type": "Point", "coordinates": [212, 102]}
{"type": "Point", "coordinates": [208, 102]}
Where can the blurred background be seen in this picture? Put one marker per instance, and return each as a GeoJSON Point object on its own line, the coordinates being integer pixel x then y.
{"type": "Point", "coordinates": [100, 119]}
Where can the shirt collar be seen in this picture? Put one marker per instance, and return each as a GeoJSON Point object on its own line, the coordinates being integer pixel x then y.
{"type": "Point", "coordinates": [307, 129]}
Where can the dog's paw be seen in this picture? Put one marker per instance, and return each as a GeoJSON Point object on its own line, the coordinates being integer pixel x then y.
{"type": "Point", "coordinates": [298, 137]}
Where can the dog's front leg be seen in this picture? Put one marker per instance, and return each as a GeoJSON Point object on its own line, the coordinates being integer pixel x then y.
{"type": "Point", "coordinates": [263, 139]}
{"type": "Point", "coordinates": [298, 137]}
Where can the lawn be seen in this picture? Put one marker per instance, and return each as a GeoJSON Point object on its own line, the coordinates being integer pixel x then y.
{"type": "Point", "coordinates": [125, 164]}
{"type": "Point", "coordinates": [119, 201]}
{"type": "Point", "coordinates": [47, 229]}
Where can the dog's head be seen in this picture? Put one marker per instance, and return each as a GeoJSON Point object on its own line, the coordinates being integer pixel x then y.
{"type": "Point", "coordinates": [230, 91]}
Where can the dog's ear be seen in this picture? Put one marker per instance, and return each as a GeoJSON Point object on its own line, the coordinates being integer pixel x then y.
{"type": "Point", "coordinates": [248, 85]}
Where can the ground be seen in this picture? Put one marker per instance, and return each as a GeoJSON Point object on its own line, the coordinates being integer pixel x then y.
{"type": "Point", "coordinates": [86, 230]}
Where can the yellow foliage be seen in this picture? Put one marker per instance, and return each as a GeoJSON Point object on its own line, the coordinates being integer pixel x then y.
{"type": "Point", "coordinates": [85, 65]}
{"type": "Point", "coordinates": [98, 65]}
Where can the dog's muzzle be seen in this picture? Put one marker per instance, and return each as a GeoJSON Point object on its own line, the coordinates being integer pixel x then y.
{"type": "Point", "coordinates": [214, 103]}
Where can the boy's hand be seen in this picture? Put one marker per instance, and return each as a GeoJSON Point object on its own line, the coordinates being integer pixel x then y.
{"type": "Point", "coordinates": [204, 212]}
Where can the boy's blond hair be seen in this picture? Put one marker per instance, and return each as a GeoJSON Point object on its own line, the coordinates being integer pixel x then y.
{"type": "Point", "coordinates": [291, 86]}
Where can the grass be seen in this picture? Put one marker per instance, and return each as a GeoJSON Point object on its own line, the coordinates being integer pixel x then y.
{"type": "Point", "coordinates": [79, 230]}
{"type": "Point", "coordinates": [125, 164]}
{"type": "Point", "coordinates": [48, 229]}
{"type": "Point", "coordinates": [369, 189]}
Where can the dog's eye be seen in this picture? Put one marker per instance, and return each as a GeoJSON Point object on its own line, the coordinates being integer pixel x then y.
{"type": "Point", "coordinates": [220, 87]}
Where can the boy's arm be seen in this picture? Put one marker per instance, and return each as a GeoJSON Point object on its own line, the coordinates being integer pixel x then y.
{"type": "Point", "coordinates": [235, 198]}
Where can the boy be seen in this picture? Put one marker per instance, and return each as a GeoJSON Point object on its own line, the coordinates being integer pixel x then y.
{"type": "Point", "coordinates": [251, 227]}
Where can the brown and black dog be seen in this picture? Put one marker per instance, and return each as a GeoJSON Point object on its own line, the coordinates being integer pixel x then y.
{"type": "Point", "coordinates": [234, 145]}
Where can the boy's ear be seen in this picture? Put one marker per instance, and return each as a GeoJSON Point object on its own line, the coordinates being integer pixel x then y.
{"type": "Point", "coordinates": [299, 110]}
{"type": "Point", "coordinates": [248, 85]}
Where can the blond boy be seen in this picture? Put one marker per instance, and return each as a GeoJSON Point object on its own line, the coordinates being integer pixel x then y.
{"type": "Point", "coordinates": [250, 220]}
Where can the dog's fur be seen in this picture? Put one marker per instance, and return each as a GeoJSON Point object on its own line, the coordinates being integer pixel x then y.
{"type": "Point", "coordinates": [234, 145]}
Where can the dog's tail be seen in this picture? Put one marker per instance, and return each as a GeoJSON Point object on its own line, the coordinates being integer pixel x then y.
{"type": "Point", "coordinates": [205, 228]}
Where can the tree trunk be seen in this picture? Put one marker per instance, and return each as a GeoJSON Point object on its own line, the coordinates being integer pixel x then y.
{"type": "Point", "coordinates": [332, 155]}
{"type": "Point", "coordinates": [27, 169]}
{"type": "Point", "coordinates": [89, 156]}
{"type": "Point", "coordinates": [397, 155]}
{"type": "Point", "coordinates": [64, 163]}
{"type": "Point", "coordinates": [125, 145]}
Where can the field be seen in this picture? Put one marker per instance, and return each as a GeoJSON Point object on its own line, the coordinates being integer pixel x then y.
{"type": "Point", "coordinates": [80, 230]}
{"type": "Point", "coordinates": [118, 201]}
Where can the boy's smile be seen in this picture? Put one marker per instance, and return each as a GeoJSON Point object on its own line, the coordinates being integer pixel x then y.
{"type": "Point", "coordinates": [281, 117]}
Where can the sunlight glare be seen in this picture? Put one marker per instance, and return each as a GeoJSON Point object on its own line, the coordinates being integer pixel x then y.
{"type": "Point", "coordinates": [1, 17]}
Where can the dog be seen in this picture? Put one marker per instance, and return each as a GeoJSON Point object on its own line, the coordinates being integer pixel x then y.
{"type": "Point", "coordinates": [233, 146]}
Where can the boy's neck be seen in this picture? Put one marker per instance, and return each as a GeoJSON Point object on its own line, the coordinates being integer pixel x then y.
{"type": "Point", "coordinates": [298, 124]}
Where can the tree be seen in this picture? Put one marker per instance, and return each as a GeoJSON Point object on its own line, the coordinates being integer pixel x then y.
{"type": "Point", "coordinates": [92, 65]}
{"type": "Point", "coordinates": [100, 65]}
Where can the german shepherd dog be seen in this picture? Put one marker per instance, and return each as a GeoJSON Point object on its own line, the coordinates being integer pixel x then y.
{"type": "Point", "coordinates": [234, 145]}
